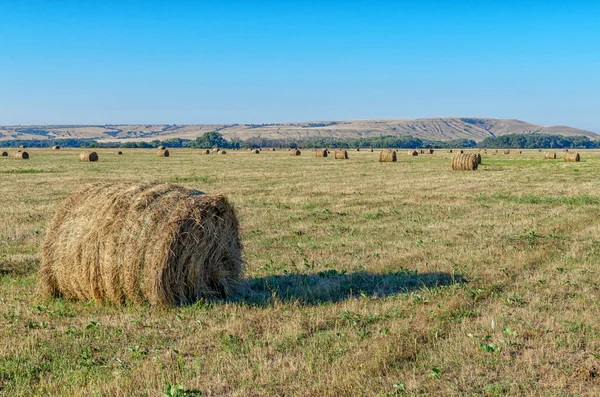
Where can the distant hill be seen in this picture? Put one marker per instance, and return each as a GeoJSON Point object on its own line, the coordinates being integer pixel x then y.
{"type": "Point", "coordinates": [443, 128]}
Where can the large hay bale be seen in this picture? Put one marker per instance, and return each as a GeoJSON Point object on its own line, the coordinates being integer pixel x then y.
{"type": "Point", "coordinates": [413, 153]}
{"type": "Point", "coordinates": [550, 155]}
{"type": "Point", "coordinates": [507, 151]}
{"type": "Point", "coordinates": [572, 156]}
{"type": "Point", "coordinates": [257, 151]}
{"type": "Point", "coordinates": [295, 152]}
{"type": "Point", "coordinates": [321, 153]}
{"type": "Point", "coordinates": [162, 148]}
{"type": "Point", "coordinates": [387, 156]}
{"type": "Point", "coordinates": [464, 162]}
{"type": "Point", "coordinates": [340, 155]}
{"type": "Point", "coordinates": [4, 154]}
{"type": "Point", "coordinates": [22, 155]}
{"type": "Point", "coordinates": [163, 153]}
{"type": "Point", "coordinates": [88, 156]}
{"type": "Point", "coordinates": [55, 147]}
{"type": "Point", "coordinates": [154, 242]}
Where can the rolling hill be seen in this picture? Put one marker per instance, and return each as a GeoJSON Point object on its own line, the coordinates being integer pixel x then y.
{"type": "Point", "coordinates": [442, 128]}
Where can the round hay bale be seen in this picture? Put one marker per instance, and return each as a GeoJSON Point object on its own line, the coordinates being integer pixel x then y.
{"type": "Point", "coordinates": [152, 241]}
{"type": "Point", "coordinates": [216, 150]}
{"type": "Point", "coordinates": [519, 152]}
{"type": "Point", "coordinates": [430, 151]}
{"type": "Point", "coordinates": [370, 150]}
{"type": "Point", "coordinates": [88, 156]}
{"type": "Point", "coordinates": [340, 155]}
{"type": "Point", "coordinates": [162, 148]}
{"type": "Point", "coordinates": [507, 151]}
{"type": "Point", "coordinates": [21, 146]}
{"type": "Point", "coordinates": [461, 151]}
{"type": "Point", "coordinates": [257, 151]}
{"type": "Point", "coordinates": [449, 150]}
{"type": "Point", "coordinates": [422, 151]}
{"type": "Point", "coordinates": [272, 149]}
{"type": "Point", "coordinates": [572, 156]}
{"type": "Point", "coordinates": [163, 153]}
{"type": "Point", "coordinates": [4, 154]}
{"type": "Point", "coordinates": [482, 150]}
{"type": "Point", "coordinates": [413, 153]}
{"type": "Point", "coordinates": [387, 156]}
{"type": "Point", "coordinates": [22, 155]}
{"type": "Point", "coordinates": [550, 155]}
{"type": "Point", "coordinates": [119, 153]}
{"type": "Point", "coordinates": [464, 162]}
{"type": "Point", "coordinates": [205, 151]}
{"type": "Point", "coordinates": [358, 149]}
{"type": "Point", "coordinates": [223, 152]}
{"type": "Point", "coordinates": [55, 147]}
{"type": "Point", "coordinates": [321, 153]}
{"type": "Point", "coordinates": [295, 152]}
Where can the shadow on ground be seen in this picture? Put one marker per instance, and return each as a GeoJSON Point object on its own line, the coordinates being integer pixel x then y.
{"type": "Point", "coordinates": [333, 286]}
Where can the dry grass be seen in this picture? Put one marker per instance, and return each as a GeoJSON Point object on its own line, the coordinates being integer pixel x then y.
{"type": "Point", "coordinates": [335, 304]}
{"type": "Point", "coordinates": [21, 155]}
{"type": "Point", "coordinates": [88, 156]}
{"type": "Point", "coordinates": [154, 242]}
{"type": "Point", "coordinates": [572, 157]}
{"type": "Point", "coordinates": [387, 156]}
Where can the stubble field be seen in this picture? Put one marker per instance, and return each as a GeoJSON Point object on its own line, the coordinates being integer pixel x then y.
{"type": "Point", "coordinates": [364, 278]}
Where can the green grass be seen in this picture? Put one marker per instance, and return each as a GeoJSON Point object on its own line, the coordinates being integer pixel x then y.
{"type": "Point", "coordinates": [362, 279]}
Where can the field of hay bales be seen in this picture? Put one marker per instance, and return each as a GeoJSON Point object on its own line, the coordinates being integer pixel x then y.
{"type": "Point", "coordinates": [363, 278]}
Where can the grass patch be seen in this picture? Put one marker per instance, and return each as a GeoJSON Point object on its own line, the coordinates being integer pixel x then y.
{"type": "Point", "coordinates": [580, 200]}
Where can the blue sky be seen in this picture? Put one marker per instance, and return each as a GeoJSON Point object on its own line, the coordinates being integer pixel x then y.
{"type": "Point", "coordinates": [97, 62]}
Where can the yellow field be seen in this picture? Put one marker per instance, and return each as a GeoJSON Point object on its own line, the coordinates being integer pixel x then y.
{"type": "Point", "coordinates": [364, 278]}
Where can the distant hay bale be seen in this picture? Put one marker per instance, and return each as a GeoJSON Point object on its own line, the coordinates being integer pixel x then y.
{"type": "Point", "coordinates": [449, 150]}
{"type": "Point", "coordinates": [482, 150]}
{"type": "Point", "coordinates": [507, 151]}
{"type": "Point", "coordinates": [519, 152]}
{"type": "Point", "coordinates": [55, 147]}
{"type": "Point", "coordinates": [413, 153]}
{"type": "Point", "coordinates": [88, 156]}
{"type": "Point", "coordinates": [21, 146]}
{"type": "Point", "coordinates": [163, 153]}
{"type": "Point", "coordinates": [572, 156]}
{"type": "Point", "coordinates": [496, 151]}
{"type": "Point", "coordinates": [422, 151]}
{"type": "Point", "coordinates": [461, 151]}
{"type": "Point", "coordinates": [223, 152]}
{"type": "Point", "coordinates": [340, 155]}
{"type": "Point", "coordinates": [371, 150]}
{"type": "Point", "coordinates": [565, 150]}
{"type": "Point", "coordinates": [22, 155]}
{"type": "Point", "coordinates": [550, 155]}
{"type": "Point", "coordinates": [295, 152]}
{"type": "Point", "coordinates": [539, 150]}
{"type": "Point", "coordinates": [430, 151]}
{"type": "Point", "coordinates": [464, 162]}
{"type": "Point", "coordinates": [4, 154]}
{"type": "Point", "coordinates": [162, 148]}
{"type": "Point", "coordinates": [119, 153]}
{"type": "Point", "coordinates": [216, 150]}
{"type": "Point", "coordinates": [205, 151]}
{"type": "Point", "coordinates": [272, 149]}
{"type": "Point", "coordinates": [153, 242]}
{"type": "Point", "coordinates": [387, 156]}
{"type": "Point", "coordinates": [358, 149]}
{"type": "Point", "coordinates": [257, 151]}
{"type": "Point", "coordinates": [321, 153]}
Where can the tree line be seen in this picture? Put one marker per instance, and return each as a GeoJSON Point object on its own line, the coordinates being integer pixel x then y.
{"type": "Point", "coordinates": [215, 139]}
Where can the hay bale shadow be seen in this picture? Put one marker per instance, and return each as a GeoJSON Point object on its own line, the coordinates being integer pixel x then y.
{"type": "Point", "coordinates": [331, 286]}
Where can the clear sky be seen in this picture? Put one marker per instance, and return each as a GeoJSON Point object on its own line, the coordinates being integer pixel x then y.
{"type": "Point", "coordinates": [99, 62]}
